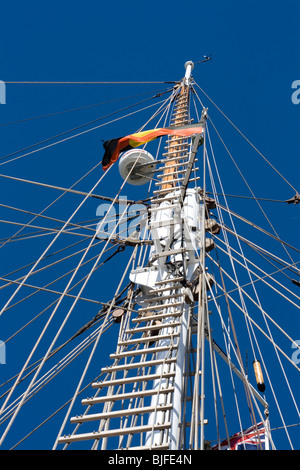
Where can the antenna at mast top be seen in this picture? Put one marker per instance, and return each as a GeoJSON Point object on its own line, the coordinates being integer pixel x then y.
{"type": "Point", "coordinates": [189, 65]}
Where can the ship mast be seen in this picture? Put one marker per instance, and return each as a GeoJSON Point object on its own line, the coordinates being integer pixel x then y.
{"type": "Point", "coordinates": [145, 389]}
{"type": "Point", "coordinates": [151, 393]}
{"type": "Point", "coordinates": [180, 159]}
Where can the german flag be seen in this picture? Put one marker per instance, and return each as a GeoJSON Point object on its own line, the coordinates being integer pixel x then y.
{"type": "Point", "coordinates": [114, 147]}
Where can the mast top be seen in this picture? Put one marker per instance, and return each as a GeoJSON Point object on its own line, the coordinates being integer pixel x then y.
{"type": "Point", "coordinates": [189, 65]}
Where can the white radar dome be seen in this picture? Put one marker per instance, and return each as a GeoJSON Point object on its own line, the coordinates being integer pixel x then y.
{"type": "Point", "coordinates": [142, 162]}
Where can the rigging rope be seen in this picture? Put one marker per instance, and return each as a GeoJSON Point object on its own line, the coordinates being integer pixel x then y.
{"type": "Point", "coordinates": [260, 277]}
{"type": "Point", "coordinates": [85, 83]}
{"type": "Point", "coordinates": [250, 143]}
{"type": "Point", "coordinates": [64, 321]}
{"type": "Point", "coordinates": [240, 288]}
{"type": "Point", "coordinates": [72, 136]}
{"type": "Point", "coordinates": [79, 108]}
{"type": "Point", "coordinates": [247, 317]}
{"type": "Point", "coordinates": [58, 198]}
{"type": "Point", "coordinates": [268, 220]}
{"type": "Point", "coordinates": [52, 343]}
{"type": "Point", "coordinates": [88, 325]}
{"type": "Point", "coordinates": [92, 352]}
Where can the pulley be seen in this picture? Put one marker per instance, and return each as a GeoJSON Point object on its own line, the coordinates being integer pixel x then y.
{"type": "Point", "coordinates": [117, 314]}
{"type": "Point", "coordinates": [212, 226]}
{"type": "Point", "coordinates": [197, 284]}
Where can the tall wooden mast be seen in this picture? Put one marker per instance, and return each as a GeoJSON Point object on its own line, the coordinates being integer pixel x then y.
{"type": "Point", "coordinates": [176, 147]}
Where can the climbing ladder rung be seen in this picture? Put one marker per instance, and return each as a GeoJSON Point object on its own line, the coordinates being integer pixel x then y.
{"type": "Point", "coordinates": [151, 327]}
{"type": "Point", "coordinates": [159, 307]}
{"type": "Point", "coordinates": [163, 175]}
{"type": "Point", "coordinates": [183, 140]}
{"type": "Point", "coordinates": [162, 316]}
{"type": "Point", "coordinates": [120, 413]}
{"type": "Point", "coordinates": [138, 352]}
{"type": "Point", "coordinates": [179, 121]}
{"type": "Point", "coordinates": [145, 339]}
{"type": "Point", "coordinates": [130, 380]}
{"type": "Point", "coordinates": [163, 297]}
{"type": "Point", "coordinates": [138, 365]}
{"type": "Point", "coordinates": [159, 191]}
{"type": "Point", "coordinates": [165, 289]}
{"type": "Point", "coordinates": [175, 165]}
{"type": "Point", "coordinates": [176, 152]}
{"type": "Point", "coordinates": [174, 173]}
{"type": "Point", "coordinates": [174, 180]}
{"type": "Point", "coordinates": [178, 145]}
{"type": "Point", "coordinates": [181, 112]}
{"type": "Point", "coordinates": [174, 188]}
{"type": "Point", "coordinates": [182, 157]}
{"type": "Point", "coordinates": [112, 432]}
{"type": "Point", "coordinates": [127, 396]}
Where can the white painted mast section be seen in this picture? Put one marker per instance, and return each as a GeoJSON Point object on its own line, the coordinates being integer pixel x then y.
{"type": "Point", "coordinates": [153, 438]}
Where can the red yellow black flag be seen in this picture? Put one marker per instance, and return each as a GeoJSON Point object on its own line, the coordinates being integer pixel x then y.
{"type": "Point", "coordinates": [114, 147]}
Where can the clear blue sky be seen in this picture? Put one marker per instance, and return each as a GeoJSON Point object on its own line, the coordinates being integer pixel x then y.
{"type": "Point", "coordinates": [255, 48]}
